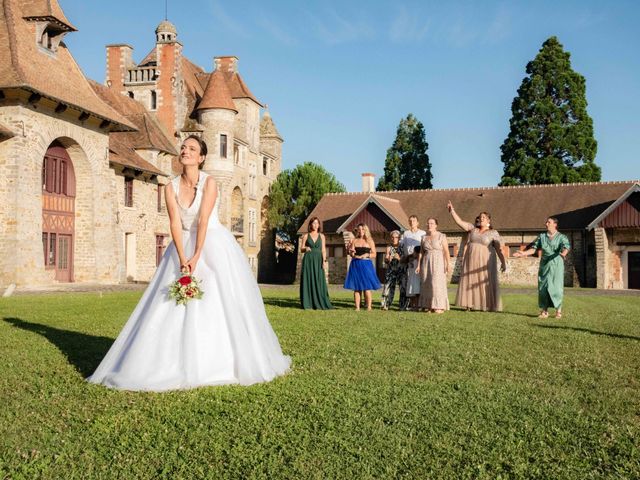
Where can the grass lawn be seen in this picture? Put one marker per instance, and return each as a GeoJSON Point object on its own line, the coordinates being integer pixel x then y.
{"type": "Point", "coordinates": [371, 395]}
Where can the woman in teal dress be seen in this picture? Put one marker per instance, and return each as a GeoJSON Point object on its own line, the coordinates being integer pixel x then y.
{"type": "Point", "coordinates": [555, 247]}
{"type": "Point", "coordinates": [313, 284]}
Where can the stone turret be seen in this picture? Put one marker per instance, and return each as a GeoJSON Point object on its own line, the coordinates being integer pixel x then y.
{"type": "Point", "coordinates": [271, 141]}
{"type": "Point", "coordinates": [217, 113]}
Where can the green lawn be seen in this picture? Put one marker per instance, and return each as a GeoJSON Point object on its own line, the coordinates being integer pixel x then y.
{"type": "Point", "coordinates": [371, 395]}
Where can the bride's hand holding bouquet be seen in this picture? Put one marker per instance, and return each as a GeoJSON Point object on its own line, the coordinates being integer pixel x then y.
{"type": "Point", "coordinates": [186, 287]}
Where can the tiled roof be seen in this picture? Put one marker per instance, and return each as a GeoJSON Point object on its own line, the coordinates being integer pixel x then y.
{"type": "Point", "coordinates": [238, 88]}
{"type": "Point", "coordinates": [22, 62]}
{"type": "Point", "coordinates": [122, 152]}
{"type": "Point", "coordinates": [511, 208]}
{"type": "Point", "coordinates": [150, 133]}
{"type": "Point", "coordinates": [217, 94]}
{"type": "Point", "coordinates": [45, 8]}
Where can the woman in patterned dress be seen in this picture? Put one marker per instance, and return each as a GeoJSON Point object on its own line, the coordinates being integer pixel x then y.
{"type": "Point", "coordinates": [478, 288]}
{"type": "Point", "coordinates": [433, 266]}
{"type": "Point", "coordinates": [395, 273]}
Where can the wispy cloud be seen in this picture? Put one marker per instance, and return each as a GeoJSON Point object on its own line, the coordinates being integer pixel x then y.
{"type": "Point", "coordinates": [227, 21]}
{"type": "Point", "coordinates": [336, 29]}
{"type": "Point", "coordinates": [406, 28]}
{"type": "Point", "coordinates": [588, 18]}
{"type": "Point", "coordinates": [500, 27]}
{"type": "Point", "coordinates": [460, 33]}
{"type": "Point", "coordinates": [274, 29]}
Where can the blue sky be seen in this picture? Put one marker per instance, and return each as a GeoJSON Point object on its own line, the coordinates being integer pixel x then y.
{"type": "Point", "coordinates": [339, 75]}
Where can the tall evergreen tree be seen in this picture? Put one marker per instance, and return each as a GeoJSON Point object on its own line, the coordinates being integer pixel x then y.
{"type": "Point", "coordinates": [407, 164]}
{"type": "Point", "coordinates": [551, 137]}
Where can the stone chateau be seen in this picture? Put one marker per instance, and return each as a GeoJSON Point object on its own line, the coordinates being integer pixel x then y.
{"type": "Point", "coordinates": [82, 165]}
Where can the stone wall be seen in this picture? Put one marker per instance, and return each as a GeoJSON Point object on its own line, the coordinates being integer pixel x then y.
{"type": "Point", "coordinates": [622, 241]}
{"type": "Point", "coordinates": [96, 255]}
{"type": "Point", "coordinates": [143, 221]}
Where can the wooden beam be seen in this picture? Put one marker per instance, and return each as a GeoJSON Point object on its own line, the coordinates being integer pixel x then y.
{"type": "Point", "coordinates": [83, 116]}
{"type": "Point", "coordinates": [1, 95]}
{"type": "Point", "coordinates": [105, 124]}
{"type": "Point", "coordinates": [60, 108]}
{"type": "Point", "coordinates": [34, 98]}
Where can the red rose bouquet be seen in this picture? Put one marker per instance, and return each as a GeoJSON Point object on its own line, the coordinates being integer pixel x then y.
{"type": "Point", "coordinates": [185, 288]}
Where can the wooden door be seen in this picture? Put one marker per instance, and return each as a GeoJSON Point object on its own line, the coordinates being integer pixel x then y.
{"type": "Point", "coordinates": [633, 266]}
{"type": "Point", "coordinates": [65, 255]}
{"type": "Point", "coordinates": [58, 212]}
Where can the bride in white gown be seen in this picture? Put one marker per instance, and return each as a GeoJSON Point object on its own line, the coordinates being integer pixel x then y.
{"type": "Point", "coordinates": [223, 338]}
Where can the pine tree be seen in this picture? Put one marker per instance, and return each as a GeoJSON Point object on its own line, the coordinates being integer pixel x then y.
{"type": "Point", "coordinates": [551, 136]}
{"type": "Point", "coordinates": [407, 164]}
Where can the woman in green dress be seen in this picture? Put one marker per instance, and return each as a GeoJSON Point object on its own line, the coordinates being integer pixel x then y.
{"type": "Point", "coordinates": [555, 247]}
{"type": "Point", "coordinates": [313, 284]}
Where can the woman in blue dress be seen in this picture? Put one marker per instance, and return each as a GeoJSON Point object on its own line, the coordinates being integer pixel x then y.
{"type": "Point", "coordinates": [361, 277]}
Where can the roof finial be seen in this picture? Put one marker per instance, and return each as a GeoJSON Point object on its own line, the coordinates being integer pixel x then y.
{"type": "Point", "coordinates": [166, 9]}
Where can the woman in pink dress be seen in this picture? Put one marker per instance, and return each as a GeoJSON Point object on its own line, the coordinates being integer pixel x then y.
{"type": "Point", "coordinates": [478, 288]}
{"type": "Point", "coordinates": [433, 266]}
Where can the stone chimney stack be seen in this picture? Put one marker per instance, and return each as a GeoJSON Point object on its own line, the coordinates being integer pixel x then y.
{"type": "Point", "coordinates": [119, 60]}
{"type": "Point", "coordinates": [226, 64]}
{"type": "Point", "coordinates": [368, 182]}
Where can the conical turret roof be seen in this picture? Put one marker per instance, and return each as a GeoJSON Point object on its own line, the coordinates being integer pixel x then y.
{"type": "Point", "coordinates": [217, 94]}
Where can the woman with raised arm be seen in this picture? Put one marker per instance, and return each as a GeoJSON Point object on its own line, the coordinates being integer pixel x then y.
{"type": "Point", "coordinates": [313, 284]}
{"type": "Point", "coordinates": [361, 276]}
{"type": "Point", "coordinates": [478, 288]}
{"type": "Point", "coordinates": [222, 338]}
{"type": "Point", "coordinates": [555, 247]}
{"type": "Point", "coordinates": [433, 267]}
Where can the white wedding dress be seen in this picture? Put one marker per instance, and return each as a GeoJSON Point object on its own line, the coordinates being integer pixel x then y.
{"type": "Point", "coordinates": [222, 338]}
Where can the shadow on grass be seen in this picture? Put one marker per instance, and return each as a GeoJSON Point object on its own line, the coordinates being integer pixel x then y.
{"type": "Point", "coordinates": [586, 330]}
{"type": "Point", "coordinates": [295, 303]}
{"type": "Point", "coordinates": [83, 351]}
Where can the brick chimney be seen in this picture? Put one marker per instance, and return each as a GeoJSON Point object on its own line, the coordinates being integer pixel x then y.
{"type": "Point", "coordinates": [368, 182]}
{"type": "Point", "coordinates": [226, 64]}
{"type": "Point", "coordinates": [170, 76]}
{"type": "Point", "coordinates": [119, 59]}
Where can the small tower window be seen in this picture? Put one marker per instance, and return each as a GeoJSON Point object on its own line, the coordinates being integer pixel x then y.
{"type": "Point", "coordinates": [265, 166]}
{"type": "Point", "coordinates": [154, 100]}
{"type": "Point", "coordinates": [130, 94]}
{"type": "Point", "coordinates": [223, 146]}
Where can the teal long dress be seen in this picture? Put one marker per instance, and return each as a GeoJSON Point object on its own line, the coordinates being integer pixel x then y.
{"type": "Point", "coordinates": [551, 271]}
{"type": "Point", "coordinates": [313, 285]}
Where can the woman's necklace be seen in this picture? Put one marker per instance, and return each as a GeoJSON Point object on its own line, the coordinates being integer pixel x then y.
{"type": "Point", "coordinates": [189, 184]}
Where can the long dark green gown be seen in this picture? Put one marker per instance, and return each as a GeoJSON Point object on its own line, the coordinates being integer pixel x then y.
{"type": "Point", "coordinates": [551, 271]}
{"type": "Point", "coordinates": [313, 285]}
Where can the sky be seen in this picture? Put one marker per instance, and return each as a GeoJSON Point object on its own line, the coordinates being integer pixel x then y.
{"type": "Point", "coordinates": [338, 76]}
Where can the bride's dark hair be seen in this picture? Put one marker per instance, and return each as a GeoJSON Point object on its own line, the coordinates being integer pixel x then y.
{"type": "Point", "coordinates": [203, 147]}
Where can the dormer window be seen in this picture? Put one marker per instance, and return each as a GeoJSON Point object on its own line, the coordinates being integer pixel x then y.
{"type": "Point", "coordinates": [49, 32]}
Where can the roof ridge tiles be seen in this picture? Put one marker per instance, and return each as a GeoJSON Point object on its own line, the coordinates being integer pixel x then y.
{"type": "Point", "coordinates": [496, 187]}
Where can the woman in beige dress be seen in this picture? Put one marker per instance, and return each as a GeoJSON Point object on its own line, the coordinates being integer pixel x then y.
{"type": "Point", "coordinates": [433, 266]}
{"type": "Point", "coordinates": [478, 288]}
